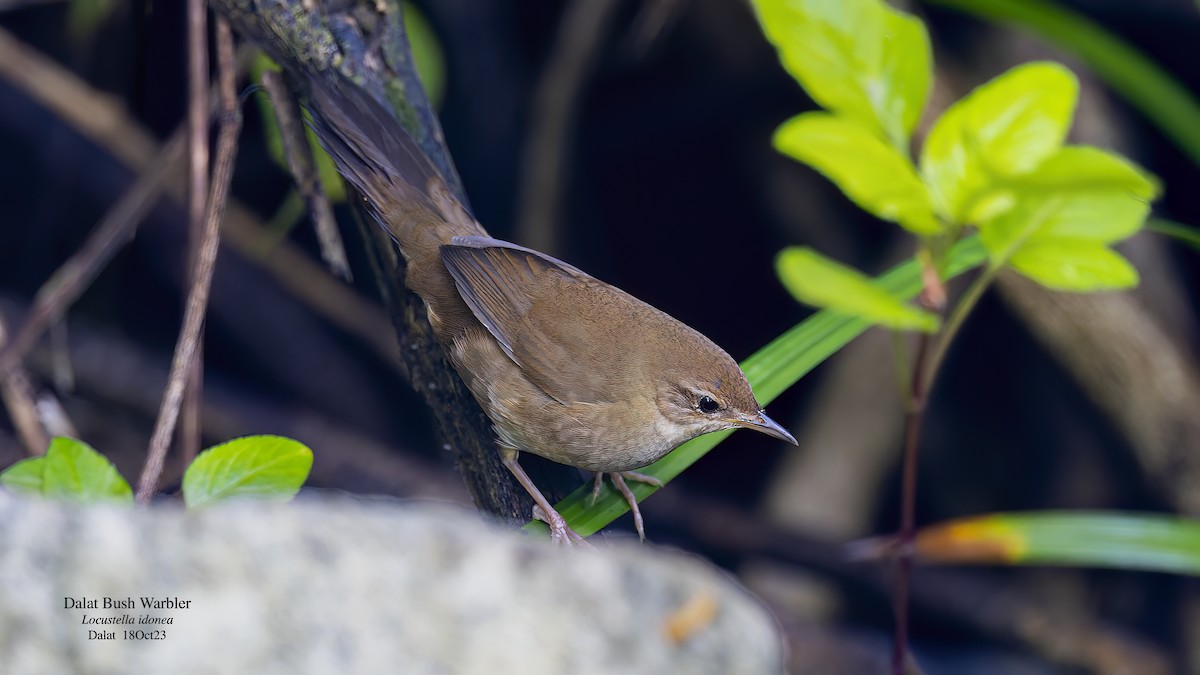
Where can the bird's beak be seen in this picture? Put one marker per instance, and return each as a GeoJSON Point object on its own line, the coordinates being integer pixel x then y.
{"type": "Point", "coordinates": [766, 425]}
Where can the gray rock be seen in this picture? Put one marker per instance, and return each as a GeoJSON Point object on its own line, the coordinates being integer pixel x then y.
{"type": "Point", "coordinates": [335, 585]}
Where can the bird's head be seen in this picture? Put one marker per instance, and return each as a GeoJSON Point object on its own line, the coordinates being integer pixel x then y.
{"type": "Point", "coordinates": [712, 393]}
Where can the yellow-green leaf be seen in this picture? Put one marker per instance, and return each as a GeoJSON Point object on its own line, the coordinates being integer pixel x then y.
{"type": "Point", "coordinates": [1094, 217]}
{"type": "Point", "coordinates": [74, 471]}
{"type": "Point", "coordinates": [427, 53]}
{"type": "Point", "coordinates": [1063, 216]}
{"type": "Point", "coordinates": [1096, 539]}
{"type": "Point", "coordinates": [25, 476]}
{"type": "Point", "coordinates": [1083, 167]}
{"type": "Point", "coordinates": [1074, 265]}
{"type": "Point", "coordinates": [818, 281]}
{"type": "Point", "coordinates": [871, 173]}
{"type": "Point", "coordinates": [859, 58]}
{"type": "Point", "coordinates": [1002, 129]}
{"type": "Point", "coordinates": [264, 467]}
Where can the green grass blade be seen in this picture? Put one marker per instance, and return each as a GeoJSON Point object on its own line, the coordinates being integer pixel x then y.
{"type": "Point", "coordinates": [1152, 542]}
{"type": "Point", "coordinates": [1146, 85]}
{"type": "Point", "coordinates": [771, 370]}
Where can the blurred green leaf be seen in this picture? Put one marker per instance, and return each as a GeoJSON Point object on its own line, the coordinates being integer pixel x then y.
{"type": "Point", "coordinates": [1083, 167]}
{"type": "Point", "coordinates": [872, 173]}
{"type": "Point", "coordinates": [1074, 265]}
{"type": "Point", "coordinates": [427, 54]}
{"type": "Point", "coordinates": [86, 17]}
{"type": "Point", "coordinates": [1002, 129]}
{"type": "Point", "coordinates": [25, 476]}
{"type": "Point", "coordinates": [858, 58]}
{"type": "Point", "coordinates": [1086, 213]}
{"type": "Point", "coordinates": [1065, 213]}
{"type": "Point", "coordinates": [72, 470]}
{"type": "Point", "coordinates": [1145, 84]}
{"type": "Point", "coordinates": [265, 467]}
{"type": "Point", "coordinates": [1096, 539]}
{"type": "Point", "coordinates": [816, 280]}
{"type": "Point", "coordinates": [771, 371]}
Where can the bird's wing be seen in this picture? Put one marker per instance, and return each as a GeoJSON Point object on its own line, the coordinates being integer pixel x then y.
{"type": "Point", "coordinates": [570, 333]}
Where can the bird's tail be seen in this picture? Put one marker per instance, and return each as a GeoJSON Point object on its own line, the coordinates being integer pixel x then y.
{"type": "Point", "coordinates": [400, 185]}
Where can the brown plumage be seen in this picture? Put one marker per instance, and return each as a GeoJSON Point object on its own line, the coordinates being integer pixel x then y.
{"type": "Point", "coordinates": [566, 366]}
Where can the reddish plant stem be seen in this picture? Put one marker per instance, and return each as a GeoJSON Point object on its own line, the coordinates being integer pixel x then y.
{"type": "Point", "coordinates": [908, 501]}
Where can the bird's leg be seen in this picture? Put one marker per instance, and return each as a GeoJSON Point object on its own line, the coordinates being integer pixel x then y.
{"type": "Point", "coordinates": [641, 478]}
{"type": "Point", "coordinates": [597, 485]}
{"type": "Point", "coordinates": [542, 510]}
{"type": "Point", "coordinates": [618, 479]}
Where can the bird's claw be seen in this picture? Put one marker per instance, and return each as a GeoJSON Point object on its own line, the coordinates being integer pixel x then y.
{"type": "Point", "coordinates": [618, 479]}
{"type": "Point", "coordinates": [560, 532]}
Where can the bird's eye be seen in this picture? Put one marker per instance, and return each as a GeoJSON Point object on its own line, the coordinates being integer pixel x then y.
{"type": "Point", "coordinates": [707, 405]}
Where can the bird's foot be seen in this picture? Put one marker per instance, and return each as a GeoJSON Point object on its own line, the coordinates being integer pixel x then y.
{"type": "Point", "coordinates": [560, 532]}
{"type": "Point", "coordinates": [618, 479]}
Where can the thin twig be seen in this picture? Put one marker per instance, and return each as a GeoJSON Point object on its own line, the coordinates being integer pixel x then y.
{"type": "Point", "coordinates": [110, 234]}
{"type": "Point", "coordinates": [63, 375]}
{"type": "Point", "coordinates": [197, 302]}
{"type": "Point", "coordinates": [585, 24]}
{"type": "Point", "coordinates": [197, 123]}
{"type": "Point", "coordinates": [304, 171]}
{"type": "Point", "coordinates": [19, 399]}
{"type": "Point", "coordinates": [189, 413]}
{"type": "Point", "coordinates": [197, 196]}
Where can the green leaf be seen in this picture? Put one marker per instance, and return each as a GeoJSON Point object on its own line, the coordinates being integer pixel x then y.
{"type": "Point", "coordinates": [85, 18]}
{"type": "Point", "coordinates": [771, 371]}
{"type": "Point", "coordinates": [1074, 265]}
{"type": "Point", "coordinates": [428, 59]}
{"type": "Point", "coordinates": [859, 58]}
{"type": "Point", "coordinates": [25, 476]}
{"type": "Point", "coordinates": [1106, 195]}
{"type": "Point", "coordinates": [1094, 539]}
{"type": "Point", "coordinates": [1002, 129]}
{"type": "Point", "coordinates": [1102, 218]}
{"type": "Point", "coordinates": [72, 470]}
{"type": "Point", "coordinates": [1086, 168]}
{"type": "Point", "coordinates": [872, 173]}
{"type": "Point", "coordinates": [816, 280]}
{"type": "Point", "coordinates": [266, 467]}
{"type": "Point", "coordinates": [1065, 212]}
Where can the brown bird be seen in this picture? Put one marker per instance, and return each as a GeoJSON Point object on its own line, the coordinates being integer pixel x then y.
{"type": "Point", "coordinates": [566, 366]}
